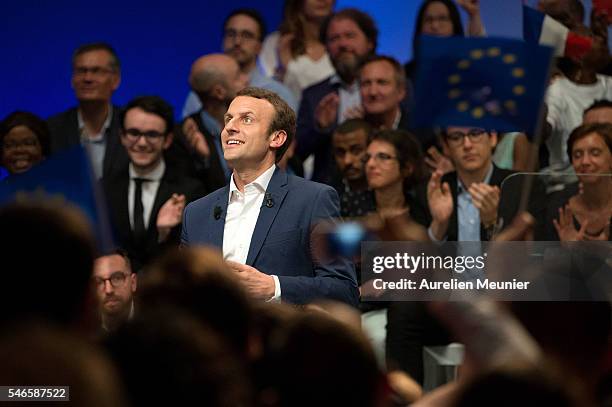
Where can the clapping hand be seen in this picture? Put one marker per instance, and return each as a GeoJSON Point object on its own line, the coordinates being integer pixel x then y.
{"type": "Point", "coordinates": [170, 215]}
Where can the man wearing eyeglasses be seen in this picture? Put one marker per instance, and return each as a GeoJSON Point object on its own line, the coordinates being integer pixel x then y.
{"type": "Point", "coordinates": [94, 122]}
{"type": "Point", "coordinates": [147, 199]}
{"type": "Point", "coordinates": [464, 204]}
{"type": "Point", "coordinates": [243, 33]}
{"type": "Point", "coordinates": [115, 285]}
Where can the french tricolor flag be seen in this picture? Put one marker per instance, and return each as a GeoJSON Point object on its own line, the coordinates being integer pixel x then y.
{"type": "Point", "coordinates": [545, 30]}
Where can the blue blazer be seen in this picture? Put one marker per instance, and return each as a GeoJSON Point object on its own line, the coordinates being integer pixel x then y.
{"type": "Point", "coordinates": [281, 243]}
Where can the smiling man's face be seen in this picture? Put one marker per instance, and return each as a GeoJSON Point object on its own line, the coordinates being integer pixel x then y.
{"type": "Point", "coordinates": [245, 137]}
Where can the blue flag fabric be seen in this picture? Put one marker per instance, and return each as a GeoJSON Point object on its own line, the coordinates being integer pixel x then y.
{"type": "Point", "coordinates": [490, 83]}
{"type": "Point", "coordinates": [533, 20]}
{"type": "Point", "coordinates": [65, 177]}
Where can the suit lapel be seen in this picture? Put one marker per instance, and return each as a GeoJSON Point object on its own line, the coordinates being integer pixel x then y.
{"type": "Point", "coordinates": [219, 210]}
{"type": "Point", "coordinates": [164, 192]}
{"type": "Point", "coordinates": [117, 195]}
{"type": "Point", "coordinates": [277, 190]}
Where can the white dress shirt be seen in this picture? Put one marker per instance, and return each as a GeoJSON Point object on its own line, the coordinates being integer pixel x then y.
{"type": "Point", "coordinates": [149, 191]}
{"type": "Point", "coordinates": [241, 218]}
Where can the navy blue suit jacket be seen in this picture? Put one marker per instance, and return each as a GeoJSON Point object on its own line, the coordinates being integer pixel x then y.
{"type": "Point", "coordinates": [281, 243]}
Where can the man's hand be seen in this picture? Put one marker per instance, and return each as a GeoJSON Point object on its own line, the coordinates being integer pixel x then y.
{"type": "Point", "coordinates": [438, 161]}
{"type": "Point", "coordinates": [258, 284]}
{"type": "Point", "coordinates": [327, 110]}
{"type": "Point", "coordinates": [195, 138]}
{"type": "Point", "coordinates": [440, 202]}
{"type": "Point", "coordinates": [355, 112]}
{"type": "Point", "coordinates": [486, 199]}
{"type": "Point", "coordinates": [170, 215]}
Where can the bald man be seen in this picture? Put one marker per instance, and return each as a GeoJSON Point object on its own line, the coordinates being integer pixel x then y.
{"type": "Point", "coordinates": [215, 79]}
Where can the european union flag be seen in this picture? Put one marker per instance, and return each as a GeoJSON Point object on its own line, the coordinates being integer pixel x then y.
{"type": "Point", "coordinates": [65, 177]}
{"type": "Point", "coordinates": [491, 83]}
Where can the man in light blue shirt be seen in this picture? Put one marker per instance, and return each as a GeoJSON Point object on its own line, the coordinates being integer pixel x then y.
{"type": "Point", "coordinates": [243, 33]}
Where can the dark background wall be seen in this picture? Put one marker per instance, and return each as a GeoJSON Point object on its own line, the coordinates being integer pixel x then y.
{"type": "Point", "coordinates": [158, 40]}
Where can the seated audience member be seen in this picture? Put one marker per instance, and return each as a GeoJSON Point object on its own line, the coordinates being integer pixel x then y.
{"type": "Point", "coordinates": [463, 205]}
{"type": "Point", "coordinates": [584, 212]}
{"type": "Point", "coordinates": [38, 352]}
{"type": "Point", "coordinates": [382, 85]}
{"type": "Point", "coordinates": [441, 18]}
{"type": "Point", "coordinates": [24, 141]}
{"type": "Point", "coordinates": [568, 97]}
{"type": "Point", "coordinates": [243, 33]}
{"type": "Point", "coordinates": [383, 88]}
{"type": "Point", "coordinates": [215, 79]}
{"type": "Point", "coordinates": [166, 357]}
{"type": "Point", "coordinates": [147, 199]}
{"type": "Point", "coordinates": [115, 285]}
{"type": "Point", "coordinates": [349, 143]}
{"type": "Point", "coordinates": [350, 36]}
{"type": "Point", "coordinates": [95, 121]}
{"type": "Point", "coordinates": [393, 167]}
{"type": "Point", "coordinates": [466, 205]}
{"type": "Point", "coordinates": [53, 248]}
{"type": "Point", "coordinates": [198, 281]}
{"type": "Point", "coordinates": [599, 112]}
{"type": "Point", "coordinates": [295, 54]}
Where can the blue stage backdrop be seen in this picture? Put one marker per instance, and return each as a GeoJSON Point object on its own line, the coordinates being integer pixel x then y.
{"type": "Point", "coordinates": [158, 40]}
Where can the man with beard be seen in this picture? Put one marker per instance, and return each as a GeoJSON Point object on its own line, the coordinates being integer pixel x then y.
{"type": "Point", "coordinates": [243, 33]}
{"type": "Point", "coordinates": [215, 79]}
{"type": "Point", "coordinates": [350, 36]}
{"type": "Point", "coordinates": [115, 285]}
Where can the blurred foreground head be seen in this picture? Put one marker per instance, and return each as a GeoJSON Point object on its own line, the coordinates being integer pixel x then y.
{"type": "Point", "coordinates": [167, 357]}
{"type": "Point", "coordinates": [198, 281]}
{"type": "Point", "coordinates": [47, 256]}
{"type": "Point", "coordinates": [315, 360]}
{"type": "Point", "coordinates": [34, 354]}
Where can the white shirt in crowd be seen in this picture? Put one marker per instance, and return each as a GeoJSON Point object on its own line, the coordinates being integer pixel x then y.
{"type": "Point", "coordinates": [300, 73]}
{"type": "Point", "coordinates": [241, 218]}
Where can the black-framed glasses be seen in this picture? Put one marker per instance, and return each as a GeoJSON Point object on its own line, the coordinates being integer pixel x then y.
{"type": "Point", "coordinates": [133, 135]}
{"type": "Point", "coordinates": [457, 138]}
{"type": "Point", "coordinates": [379, 158]}
{"type": "Point", "coordinates": [117, 279]}
{"type": "Point", "coordinates": [244, 35]}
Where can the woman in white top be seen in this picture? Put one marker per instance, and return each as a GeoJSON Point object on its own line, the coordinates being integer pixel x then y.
{"type": "Point", "coordinates": [294, 54]}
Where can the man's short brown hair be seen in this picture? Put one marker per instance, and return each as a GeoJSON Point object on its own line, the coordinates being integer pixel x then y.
{"type": "Point", "coordinates": [283, 119]}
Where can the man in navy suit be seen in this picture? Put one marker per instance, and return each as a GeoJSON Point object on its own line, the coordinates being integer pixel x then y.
{"type": "Point", "coordinates": [263, 219]}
